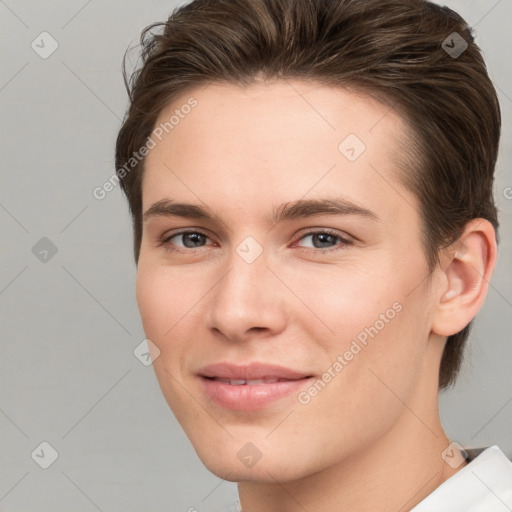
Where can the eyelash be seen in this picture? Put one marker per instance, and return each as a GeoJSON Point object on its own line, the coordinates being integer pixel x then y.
{"type": "Point", "coordinates": [340, 246]}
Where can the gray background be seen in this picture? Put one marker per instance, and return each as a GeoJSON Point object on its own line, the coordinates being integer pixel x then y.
{"type": "Point", "coordinates": [70, 324]}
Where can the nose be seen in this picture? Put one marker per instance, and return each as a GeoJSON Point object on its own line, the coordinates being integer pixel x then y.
{"type": "Point", "coordinates": [247, 301]}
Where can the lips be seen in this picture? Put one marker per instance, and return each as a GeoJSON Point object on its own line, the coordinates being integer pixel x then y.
{"type": "Point", "coordinates": [247, 382]}
{"type": "Point", "coordinates": [249, 387]}
{"type": "Point", "coordinates": [252, 371]}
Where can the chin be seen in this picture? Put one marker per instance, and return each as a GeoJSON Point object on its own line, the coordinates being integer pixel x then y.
{"type": "Point", "coordinates": [227, 462]}
{"type": "Point", "coordinates": [264, 473]}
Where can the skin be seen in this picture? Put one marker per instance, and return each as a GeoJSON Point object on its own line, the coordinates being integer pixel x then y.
{"type": "Point", "coordinates": [372, 438]}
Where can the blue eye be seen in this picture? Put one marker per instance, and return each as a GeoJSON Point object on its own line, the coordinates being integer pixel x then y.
{"type": "Point", "coordinates": [189, 239]}
{"type": "Point", "coordinates": [324, 239]}
{"type": "Point", "coordinates": [321, 241]}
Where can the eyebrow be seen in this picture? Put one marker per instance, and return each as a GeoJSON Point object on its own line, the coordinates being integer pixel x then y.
{"type": "Point", "coordinates": [300, 209]}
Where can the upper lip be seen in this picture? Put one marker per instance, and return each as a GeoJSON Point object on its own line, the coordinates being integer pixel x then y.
{"type": "Point", "coordinates": [254, 370]}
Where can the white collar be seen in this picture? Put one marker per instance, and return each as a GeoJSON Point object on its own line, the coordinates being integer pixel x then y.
{"type": "Point", "coordinates": [484, 485]}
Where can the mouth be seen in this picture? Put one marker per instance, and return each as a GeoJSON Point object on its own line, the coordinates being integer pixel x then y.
{"type": "Point", "coordinates": [250, 387]}
{"type": "Point", "coordinates": [249, 382]}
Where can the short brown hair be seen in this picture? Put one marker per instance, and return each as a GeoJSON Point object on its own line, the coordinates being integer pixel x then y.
{"type": "Point", "coordinates": [395, 50]}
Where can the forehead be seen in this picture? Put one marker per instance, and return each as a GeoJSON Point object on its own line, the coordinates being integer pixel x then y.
{"type": "Point", "coordinates": [280, 140]}
{"type": "Point", "coordinates": [276, 110]}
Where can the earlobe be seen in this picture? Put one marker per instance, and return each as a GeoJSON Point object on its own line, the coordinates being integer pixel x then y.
{"type": "Point", "coordinates": [467, 267]}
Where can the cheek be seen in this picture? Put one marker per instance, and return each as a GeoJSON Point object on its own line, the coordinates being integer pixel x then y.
{"type": "Point", "coordinates": [371, 369]}
{"type": "Point", "coordinates": [372, 325]}
{"type": "Point", "coordinates": [150, 299]}
{"type": "Point", "coordinates": [345, 299]}
{"type": "Point", "coordinates": [163, 299]}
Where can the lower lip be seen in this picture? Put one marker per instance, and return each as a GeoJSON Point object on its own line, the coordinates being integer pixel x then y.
{"type": "Point", "coordinates": [250, 397]}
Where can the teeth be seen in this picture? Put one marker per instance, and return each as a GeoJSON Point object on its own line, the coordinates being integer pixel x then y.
{"type": "Point", "coordinates": [250, 382]}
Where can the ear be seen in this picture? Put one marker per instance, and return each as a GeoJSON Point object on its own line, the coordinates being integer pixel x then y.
{"type": "Point", "coordinates": [466, 269]}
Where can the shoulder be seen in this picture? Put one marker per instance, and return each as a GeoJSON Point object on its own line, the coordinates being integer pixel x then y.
{"type": "Point", "coordinates": [484, 485]}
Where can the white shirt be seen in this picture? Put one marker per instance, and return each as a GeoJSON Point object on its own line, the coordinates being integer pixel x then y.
{"type": "Point", "coordinates": [484, 485]}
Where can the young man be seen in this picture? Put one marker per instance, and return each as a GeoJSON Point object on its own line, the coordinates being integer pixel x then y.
{"type": "Point", "coordinates": [311, 189]}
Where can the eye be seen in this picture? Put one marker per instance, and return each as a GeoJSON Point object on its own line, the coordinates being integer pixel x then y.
{"type": "Point", "coordinates": [324, 240]}
{"type": "Point", "coordinates": [185, 240]}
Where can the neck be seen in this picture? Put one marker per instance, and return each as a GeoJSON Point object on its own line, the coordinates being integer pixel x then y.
{"type": "Point", "coordinates": [393, 474]}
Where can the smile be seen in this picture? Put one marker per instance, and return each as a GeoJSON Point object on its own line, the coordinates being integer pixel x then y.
{"type": "Point", "coordinates": [250, 387]}
{"type": "Point", "coordinates": [251, 382]}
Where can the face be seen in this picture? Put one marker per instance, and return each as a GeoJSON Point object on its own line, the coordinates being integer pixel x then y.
{"type": "Point", "coordinates": [281, 277]}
